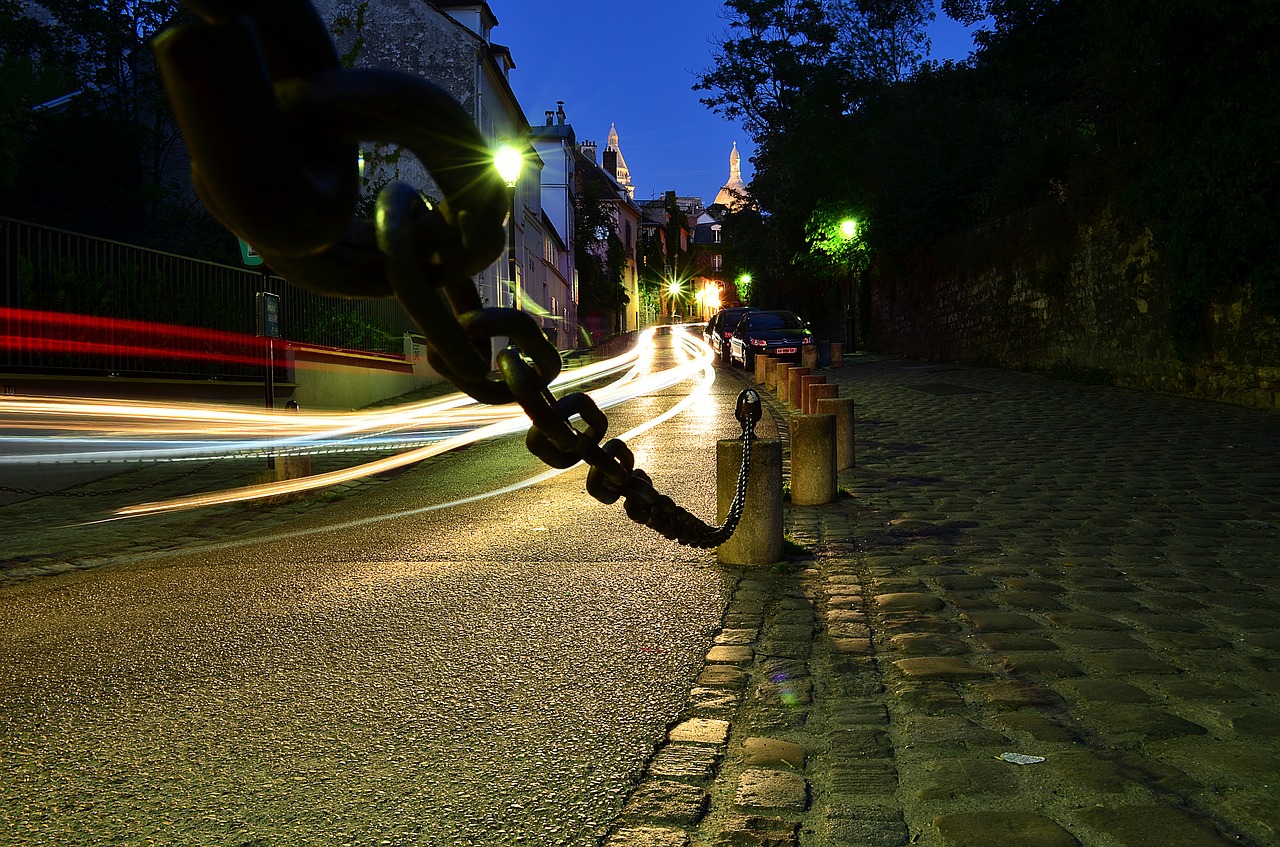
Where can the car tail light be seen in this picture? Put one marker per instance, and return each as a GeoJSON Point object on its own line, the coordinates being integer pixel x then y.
{"type": "Point", "coordinates": [758, 342]}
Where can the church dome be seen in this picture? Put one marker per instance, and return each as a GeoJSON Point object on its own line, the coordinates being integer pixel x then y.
{"type": "Point", "coordinates": [735, 189]}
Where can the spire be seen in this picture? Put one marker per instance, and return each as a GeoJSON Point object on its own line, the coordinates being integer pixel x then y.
{"type": "Point", "coordinates": [623, 176]}
{"type": "Point", "coordinates": [735, 189]}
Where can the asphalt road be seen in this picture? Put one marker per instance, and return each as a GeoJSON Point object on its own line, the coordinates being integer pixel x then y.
{"type": "Point", "coordinates": [495, 673]}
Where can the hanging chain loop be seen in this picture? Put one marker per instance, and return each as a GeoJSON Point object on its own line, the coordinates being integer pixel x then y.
{"type": "Point", "coordinates": [272, 123]}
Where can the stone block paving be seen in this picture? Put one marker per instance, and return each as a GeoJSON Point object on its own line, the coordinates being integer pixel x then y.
{"type": "Point", "coordinates": [1042, 613]}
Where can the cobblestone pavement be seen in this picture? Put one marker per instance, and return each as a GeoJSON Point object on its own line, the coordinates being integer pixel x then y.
{"type": "Point", "coordinates": [1043, 614]}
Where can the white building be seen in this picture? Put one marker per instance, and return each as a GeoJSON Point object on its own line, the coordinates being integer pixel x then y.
{"type": "Point", "coordinates": [449, 42]}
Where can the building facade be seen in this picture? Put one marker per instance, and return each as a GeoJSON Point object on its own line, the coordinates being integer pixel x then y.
{"type": "Point", "coordinates": [450, 43]}
{"type": "Point", "coordinates": [556, 146]}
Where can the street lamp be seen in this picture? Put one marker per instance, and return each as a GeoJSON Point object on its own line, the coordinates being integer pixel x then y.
{"type": "Point", "coordinates": [848, 231]}
{"type": "Point", "coordinates": [675, 290]}
{"type": "Point", "coordinates": [509, 160]}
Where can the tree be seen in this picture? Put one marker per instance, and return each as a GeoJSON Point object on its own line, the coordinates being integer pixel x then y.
{"type": "Point", "coordinates": [105, 156]}
{"type": "Point", "coordinates": [600, 258]}
{"type": "Point", "coordinates": [1164, 112]}
{"type": "Point", "coordinates": [798, 74]}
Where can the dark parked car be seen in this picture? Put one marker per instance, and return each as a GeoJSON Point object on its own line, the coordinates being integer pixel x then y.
{"type": "Point", "coordinates": [778, 334]}
{"type": "Point", "coordinates": [721, 326]}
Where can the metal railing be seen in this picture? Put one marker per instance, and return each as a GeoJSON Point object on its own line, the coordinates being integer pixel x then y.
{"type": "Point", "coordinates": [75, 303]}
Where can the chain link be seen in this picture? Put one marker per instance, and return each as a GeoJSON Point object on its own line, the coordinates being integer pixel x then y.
{"type": "Point", "coordinates": [289, 187]}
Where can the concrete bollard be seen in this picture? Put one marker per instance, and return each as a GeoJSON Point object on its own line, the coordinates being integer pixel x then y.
{"type": "Point", "coordinates": [813, 459]}
{"type": "Point", "coordinates": [837, 354]}
{"type": "Point", "coordinates": [819, 391]}
{"type": "Point", "coordinates": [809, 356]}
{"type": "Point", "coordinates": [842, 408]}
{"type": "Point", "coordinates": [807, 382]}
{"type": "Point", "coordinates": [292, 467]}
{"type": "Point", "coordinates": [758, 538]}
{"type": "Point", "coordinates": [793, 386]}
{"type": "Point", "coordinates": [770, 373]}
{"type": "Point", "coordinates": [762, 364]}
{"type": "Point", "coordinates": [784, 382]}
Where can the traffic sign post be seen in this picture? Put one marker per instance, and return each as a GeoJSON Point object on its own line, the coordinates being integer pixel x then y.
{"type": "Point", "coordinates": [268, 320]}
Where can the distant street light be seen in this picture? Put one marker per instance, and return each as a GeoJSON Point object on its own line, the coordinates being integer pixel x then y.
{"type": "Point", "coordinates": [675, 289]}
{"type": "Point", "coordinates": [849, 230]}
{"type": "Point", "coordinates": [708, 298]}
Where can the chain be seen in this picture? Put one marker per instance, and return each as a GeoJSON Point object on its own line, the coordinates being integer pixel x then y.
{"type": "Point", "coordinates": [273, 123]}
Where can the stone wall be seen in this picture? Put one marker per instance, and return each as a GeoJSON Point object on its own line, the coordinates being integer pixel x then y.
{"type": "Point", "coordinates": [1094, 306]}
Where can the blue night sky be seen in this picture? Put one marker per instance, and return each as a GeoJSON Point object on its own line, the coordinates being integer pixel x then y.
{"type": "Point", "coordinates": [633, 64]}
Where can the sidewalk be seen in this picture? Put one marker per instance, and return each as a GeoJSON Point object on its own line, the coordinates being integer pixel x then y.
{"type": "Point", "coordinates": [1081, 575]}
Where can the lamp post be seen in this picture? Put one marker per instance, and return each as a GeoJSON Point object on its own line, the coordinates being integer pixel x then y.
{"type": "Point", "coordinates": [508, 160]}
{"type": "Point", "coordinates": [675, 290]}
{"type": "Point", "coordinates": [849, 231]}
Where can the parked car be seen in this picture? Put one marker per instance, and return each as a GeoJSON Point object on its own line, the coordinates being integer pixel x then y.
{"type": "Point", "coordinates": [773, 333]}
{"type": "Point", "coordinates": [721, 326]}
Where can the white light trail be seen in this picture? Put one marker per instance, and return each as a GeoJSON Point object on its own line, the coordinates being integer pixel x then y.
{"type": "Point", "coordinates": [133, 431]}
{"type": "Point", "coordinates": [704, 371]}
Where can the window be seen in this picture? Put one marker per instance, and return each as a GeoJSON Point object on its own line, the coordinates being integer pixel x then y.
{"type": "Point", "coordinates": [715, 234]}
{"type": "Point", "coordinates": [717, 262]}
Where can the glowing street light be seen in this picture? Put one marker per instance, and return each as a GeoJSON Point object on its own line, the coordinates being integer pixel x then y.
{"type": "Point", "coordinates": [674, 289]}
{"type": "Point", "coordinates": [708, 298]}
{"type": "Point", "coordinates": [508, 160]}
{"type": "Point", "coordinates": [848, 228]}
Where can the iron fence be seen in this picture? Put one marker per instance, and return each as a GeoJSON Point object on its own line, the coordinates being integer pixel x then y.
{"type": "Point", "coordinates": [74, 303]}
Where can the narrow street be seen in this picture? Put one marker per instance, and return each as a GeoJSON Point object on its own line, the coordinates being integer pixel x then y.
{"type": "Point", "coordinates": [492, 673]}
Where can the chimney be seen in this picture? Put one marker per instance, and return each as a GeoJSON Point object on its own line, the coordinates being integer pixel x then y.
{"type": "Point", "coordinates": [610, 162]}
{"type": "Point", "coordinates": [589, 150]}
{"type": "Point", "coordinates": [560, 112]}
{"type": "Point", "coordinates": [550, 117]}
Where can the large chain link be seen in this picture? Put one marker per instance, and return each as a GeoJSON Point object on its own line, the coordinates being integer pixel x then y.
{"type": "Point", "coordinates": [272, 123]}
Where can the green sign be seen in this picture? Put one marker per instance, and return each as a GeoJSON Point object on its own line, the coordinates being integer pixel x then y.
{"type": "Point", "coordinates": [248, 255]}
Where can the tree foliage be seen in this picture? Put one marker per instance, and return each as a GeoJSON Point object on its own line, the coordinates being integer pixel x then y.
{"type": "Point", "coordinates": [1166, 111]}
{"type": "Point", "coordinates": [600, 258]}
{"type": "Point", "coordinates": [88, 138]}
